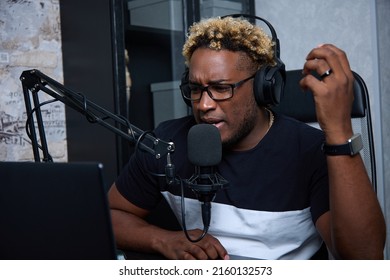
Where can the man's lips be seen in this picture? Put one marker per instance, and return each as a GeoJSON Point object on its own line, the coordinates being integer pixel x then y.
{"type": "Point", "coordinates": [216, 122]}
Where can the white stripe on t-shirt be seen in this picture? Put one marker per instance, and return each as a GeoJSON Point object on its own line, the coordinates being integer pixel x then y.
{"type": "Point", "coordinates": [255, 234]}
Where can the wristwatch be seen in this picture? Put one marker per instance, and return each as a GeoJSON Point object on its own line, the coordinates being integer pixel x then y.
{"type": "Point", "coordinates": [353, 146]}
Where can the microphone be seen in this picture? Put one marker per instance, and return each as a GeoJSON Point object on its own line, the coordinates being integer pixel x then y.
{"type": "Point", "coordinates": [205, 152]}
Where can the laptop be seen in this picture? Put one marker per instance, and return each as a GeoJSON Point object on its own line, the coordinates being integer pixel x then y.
{"type": "Point", "coordinates": [54, 211]}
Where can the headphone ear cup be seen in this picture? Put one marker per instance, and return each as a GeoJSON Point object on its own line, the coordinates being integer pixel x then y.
{"type": "Point", "coordinates": [268, 85]}
{"type": "Point", "coordinates": [184, 80]}
{"type": "Point", "coordinates": [258, 90]}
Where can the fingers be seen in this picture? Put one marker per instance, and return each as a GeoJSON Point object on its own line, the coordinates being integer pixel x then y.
{"type": "Point", "coordinates": [332, 66]}
{"type": "Point", "coordinates": [201, 251]}
{"type": "Point", "coordinates": [207, 248]}
{"type": "Point", "coordinates": [326, 57]}
{"type": "Point", "coordinates": [177, 246]}
{"type": "Point", "coordinates": [332, 88]}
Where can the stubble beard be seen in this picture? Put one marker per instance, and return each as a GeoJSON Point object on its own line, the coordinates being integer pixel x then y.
{"type": "Point", "coordinates": [247, 124]}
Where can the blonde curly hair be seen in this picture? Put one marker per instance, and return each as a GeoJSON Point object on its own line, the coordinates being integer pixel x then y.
{"type": "Point", "coordinates": [234, 34]}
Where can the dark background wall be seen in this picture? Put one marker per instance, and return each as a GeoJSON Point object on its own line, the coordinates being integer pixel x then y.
{"type": "Point", "coordinates": [92, 34]}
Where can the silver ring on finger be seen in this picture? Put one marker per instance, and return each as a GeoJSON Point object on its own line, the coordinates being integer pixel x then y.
{"type": "Point", "coordinates": [326, 73]}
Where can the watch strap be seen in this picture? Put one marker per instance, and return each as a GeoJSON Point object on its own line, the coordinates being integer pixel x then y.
{"type": "Point", "coordinates": [353, 146]}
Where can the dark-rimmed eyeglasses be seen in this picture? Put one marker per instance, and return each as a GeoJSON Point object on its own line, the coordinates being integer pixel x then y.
{"type": "Point", "coordinates": [218, 92]}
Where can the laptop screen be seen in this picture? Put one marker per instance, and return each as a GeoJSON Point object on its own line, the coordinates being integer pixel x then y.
{"type": "Point", "coordinates": [54, 211]}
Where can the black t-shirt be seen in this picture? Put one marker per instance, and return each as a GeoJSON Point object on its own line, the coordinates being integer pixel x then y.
{"type": "Point", "coordinates": [281, 178]}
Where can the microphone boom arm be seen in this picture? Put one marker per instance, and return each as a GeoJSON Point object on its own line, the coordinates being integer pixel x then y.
{"type": "Point", "coordinates": [33, 81]}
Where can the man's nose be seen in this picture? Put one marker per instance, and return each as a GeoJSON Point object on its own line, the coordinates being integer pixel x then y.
{"type": "Point", "coordinates": [206, 102]}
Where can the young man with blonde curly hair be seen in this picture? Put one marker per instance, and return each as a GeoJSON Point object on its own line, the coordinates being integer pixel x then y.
{"type": "Point", "coordinates": [285, 198]}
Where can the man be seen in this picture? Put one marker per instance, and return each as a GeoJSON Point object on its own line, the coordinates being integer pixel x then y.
{"type": "Point", "coordinates": [285, 196]}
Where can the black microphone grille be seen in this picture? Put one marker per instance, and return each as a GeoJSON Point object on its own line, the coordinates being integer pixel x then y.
{"type": "Point", "coordinates": [204, 145]}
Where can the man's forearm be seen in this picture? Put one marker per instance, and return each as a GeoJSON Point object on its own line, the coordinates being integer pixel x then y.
{"type": "Point", "coordinates": [358, 227]}
{"type": "Point", "coordinates": [134, 233]}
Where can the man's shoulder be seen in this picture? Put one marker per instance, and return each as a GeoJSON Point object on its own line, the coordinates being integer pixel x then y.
{"type": "Point", "coordinates": [295, 131]}
{"type": "Point", "coordinates": [290, 124]}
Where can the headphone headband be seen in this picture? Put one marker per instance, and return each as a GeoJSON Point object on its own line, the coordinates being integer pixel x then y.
{"type": "Point", "coordinates": [274, 37]}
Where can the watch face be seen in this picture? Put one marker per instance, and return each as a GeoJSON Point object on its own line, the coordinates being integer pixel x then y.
{"type": "Point", "coordinates": [356, 144]}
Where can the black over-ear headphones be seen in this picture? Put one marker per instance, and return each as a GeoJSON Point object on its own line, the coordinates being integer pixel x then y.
{"type": "Point", "coordinates": [268, 83]}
